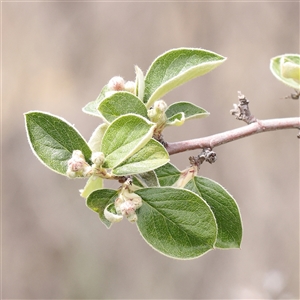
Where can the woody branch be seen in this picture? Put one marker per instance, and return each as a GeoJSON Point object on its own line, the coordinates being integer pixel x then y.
{"type": "Point", "coordinates": [242, 112]}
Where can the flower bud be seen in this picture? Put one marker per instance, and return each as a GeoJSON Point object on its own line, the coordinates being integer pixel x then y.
{"type": "Point", "coordinates": [130, 87]}
{"type": "Point", "coordinates": [98, 158]}
{"type": "Point", "coordinates": [134, 198]}
{"type": "Point", "coordinates": [77, 166]}
{"type": "Point", "coordinates": [133, 218]}
{"type": "Point", "coordinates": [117, 83]}
{"type": "Point", "coordinates": [157, 112]}
{"type": "Point", "coordinates": [127, 208]}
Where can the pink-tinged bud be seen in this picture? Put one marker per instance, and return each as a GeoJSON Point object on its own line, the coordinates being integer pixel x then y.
{"type": "Point", "coordinates": [127, 208]}
{"type": "Point", "coordinates": [77, 166]}
{"type": "Point", "coordinates": [117, 83]}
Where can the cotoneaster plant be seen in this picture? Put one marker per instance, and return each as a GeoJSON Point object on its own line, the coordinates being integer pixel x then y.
{"type": "Point", "coordinates": [180, 214]}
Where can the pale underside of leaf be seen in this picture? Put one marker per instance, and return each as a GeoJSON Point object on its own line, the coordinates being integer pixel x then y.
{"type": "Point", "coordinates": [276, 69]}
{"type": "Point", "coordinates": [95, 140]}
{"type": "Point", "coordinates": [98, 200]}
{"type": "Point", "coordinates": [92, 107]}
{"type": "Point", "coordinates": [178, 112]}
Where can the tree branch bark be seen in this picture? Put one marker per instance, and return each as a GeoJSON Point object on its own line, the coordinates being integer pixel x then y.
{"type": "Point", "coordinates": [235, 134]}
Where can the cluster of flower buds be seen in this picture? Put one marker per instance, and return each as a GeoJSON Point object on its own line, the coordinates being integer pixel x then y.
{"type": "Point", "coordinates": [97, 159]}
{"type": "Point", "coordinates": [117, 84]}
{"type": "Point", "coordinates": [125, 206]}
{"type": "Point", "coordinates": [77, 165]}
{"type": "Point", "coordinates": [156, 113]}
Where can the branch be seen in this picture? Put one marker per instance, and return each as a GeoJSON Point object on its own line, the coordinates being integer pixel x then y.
{"type": "Point", "coordinates": [229, 136]}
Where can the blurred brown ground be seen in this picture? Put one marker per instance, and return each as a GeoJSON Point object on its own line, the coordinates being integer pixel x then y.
{"type": "Point", "coordinates": [56, 57]}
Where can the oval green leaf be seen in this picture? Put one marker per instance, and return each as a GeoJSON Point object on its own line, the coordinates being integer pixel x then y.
{"type": "Point", "coordinates": [176, 67]}
{"type": "Point", "coordinates": [184, 111]}
{"type": "Point", "coordinates": [225, 209]}
{"type": "Point", "coordinates": [125, 136]}
{"type": "Point", "coordinates": [53, 140]}
{"type": "Point", "coordinates": [121, 103]}
{"type": "Point", "coordinates": [92, 107]}
{"type": "Point", "coordinates": [176, 222]}
{"type": "Point", "coordinates": [167, 175]}
{"type": "Point", "coordinates": [148, 179]}
{"type": "Point", "coordinates": [98, 200]}
{"type": "Point", "coordinates": [150, 157]}
{"type": "Point", "coordinates": [286, 68]}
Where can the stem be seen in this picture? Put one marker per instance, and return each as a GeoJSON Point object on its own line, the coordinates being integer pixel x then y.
{"type": "Point", "coordinates": [232, 135]}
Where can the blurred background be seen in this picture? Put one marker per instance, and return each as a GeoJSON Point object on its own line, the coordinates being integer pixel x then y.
{"type": "Point", "coordinates": [56, 57]}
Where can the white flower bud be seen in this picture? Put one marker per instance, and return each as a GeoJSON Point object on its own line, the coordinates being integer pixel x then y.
{"type": "Point", "coordinates": [130, 87]}
{"type": "Point", "coordinates": [157, 112]}
{"type": "Point", "coordinates": [117, 83]}
{"type": "Point", "coordinates": [71, 174]}
{"type": "Point", "coordinates": [133, 218]}
{"type": "Point", "coordinates": [98, 158]}
{"type": "Point", "coordinates": [134, 198]}
{"type": "Point", "coordinates": [127, 208]}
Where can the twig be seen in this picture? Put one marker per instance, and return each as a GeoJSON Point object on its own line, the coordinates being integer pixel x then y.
{"type": "Point", "coordinates": [242, 111]}
{"type": "Point", "coordinates": [235, 134]}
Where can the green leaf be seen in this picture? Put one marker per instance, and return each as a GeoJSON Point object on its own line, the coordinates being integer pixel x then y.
{"type": "Point", "coordinates": [94, 183]}
{"type": "Point", "coordinates": [176, 222]}
{"type": "Point", "coordinates": [148, 179]}
{"type": "Point", "coordinates": [53, 140]}
{"type": "Point", "coordinates": [167, 175]}
{"type": "Point", "coordinates": [181, 111]}
{"type": "Point", "coordinates": [98, 200]}
{"type": "Point", "coordinates": [125, 136]}
{"type": "Point", "coordinates": [121, 103]}
{"type": "Point", "coordinates": [150, 157]}
{"type": "Point", "coordinates": [286, 68]}
{"type": "Point", "coordinates": [140, 83]}
{"type": "Point", "coordinates": [176, 67]}
{"type": "Point", "coordinates": [224, 208]}
{"type": "Point", "coordinates": [95, 140]}
{"type": "Point", "coordinates": [92, 107]}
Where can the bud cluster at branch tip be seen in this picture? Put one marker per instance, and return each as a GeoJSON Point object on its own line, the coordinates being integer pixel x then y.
{"type": "Point", "coordinates": [77, 165]}
{"type": "Point", "coordinates": [117, 84]}
{"type": "Point", "coordinates": [125, 205]}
